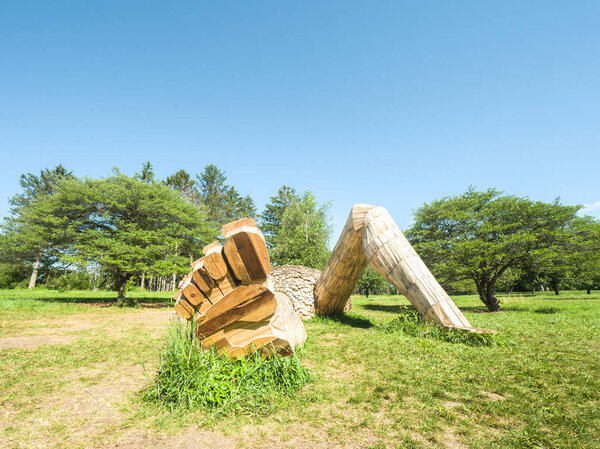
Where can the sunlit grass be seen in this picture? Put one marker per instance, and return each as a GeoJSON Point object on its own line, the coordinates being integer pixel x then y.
{"type": "Point", "coordinates": [379, 377]}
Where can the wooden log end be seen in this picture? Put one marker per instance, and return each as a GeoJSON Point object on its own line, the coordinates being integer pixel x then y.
{"type": "Point", "coordinates": [210, 247]}
{"type": "Point", "coordinates": [237, 224]}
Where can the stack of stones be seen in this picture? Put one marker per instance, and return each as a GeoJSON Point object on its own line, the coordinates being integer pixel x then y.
{"type": "Point", "coordinates": [298, 283]}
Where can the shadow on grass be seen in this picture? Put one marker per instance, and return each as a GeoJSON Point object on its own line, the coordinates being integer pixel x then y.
{"type": "Point", "coordinates": [352, 320]}
{"type": "Point", "coordinates": [144, 302]}
{"type": "Point", "coordinates": [396, 308]}
{"type": "Point", "coordinates": [402, 309]}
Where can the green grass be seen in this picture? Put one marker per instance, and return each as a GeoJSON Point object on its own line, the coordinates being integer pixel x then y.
{"type": "Point", "coordinates": [193, 378]}
{"type": "Point", "coordinates": [410, 323]}
{"type": "Point", "coordinates": [380, 377]}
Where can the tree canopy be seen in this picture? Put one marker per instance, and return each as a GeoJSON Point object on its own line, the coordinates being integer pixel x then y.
{"type": "Point", "coordinates": [126, 225]}
{"type": "Point", "coordinates": [221, 202]}
{"type": "Point", "coordinates": [304, 233]}
{"type": "Point", "coordinates": [481, 235]}
{"type": "Point", "coordinates": [272, 217]}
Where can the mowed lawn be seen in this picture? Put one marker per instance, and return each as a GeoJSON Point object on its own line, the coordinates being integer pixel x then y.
{"type": "Point", "coordinates": [72, 366]}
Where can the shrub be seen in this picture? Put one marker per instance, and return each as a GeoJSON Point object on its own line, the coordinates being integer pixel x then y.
{"type": "Point", "coordinates": [71, 280]}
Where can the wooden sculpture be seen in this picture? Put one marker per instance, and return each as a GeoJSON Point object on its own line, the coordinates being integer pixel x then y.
{"type": "Point", "coordinates": [371, 236]}
{"type": "Point", "coordinates": [228, 297]}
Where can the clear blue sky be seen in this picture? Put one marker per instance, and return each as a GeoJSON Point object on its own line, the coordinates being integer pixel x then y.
{"type": "Point", "coordinates": [387, 102]}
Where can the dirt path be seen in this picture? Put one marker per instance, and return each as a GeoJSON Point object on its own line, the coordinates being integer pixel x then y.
{"type": "Point", "coordinates": [84, 415]}
{"type": "Point", "coordinates": [64, 330]}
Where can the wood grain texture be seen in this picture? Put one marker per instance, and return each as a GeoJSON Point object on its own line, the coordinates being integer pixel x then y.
{"type": "Point", "coordinates": [371, 235]}
{"type": "Point", "coordinates": [225, 285]}
{"type": "Point", "coordinates": [344, 267]}
{"type": "Point", "coordinates": [206, 284]}
{"type": "Point", "coordinates": [247, 255]}
{"type": "Point", "coordinates": [184, 309]}
{"type": "Point", "coordinates": [249, 222]}
{"type": "Point", "coordinates": [237, 304]}
{"type": "Point", "coordinates": [274, 327]}
{"type": "Point", "coordinates": [238, 319]}
{"type": "Point", "coordinates": [193, 295]}
{"type": "Point", "coordinates": [391, 255]}
{"type": "Point", "coordinates": [214, 261]}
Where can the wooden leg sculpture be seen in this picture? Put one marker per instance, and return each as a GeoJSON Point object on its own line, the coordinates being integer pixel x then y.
{"type": "Point", "coordinates": [372, 236]}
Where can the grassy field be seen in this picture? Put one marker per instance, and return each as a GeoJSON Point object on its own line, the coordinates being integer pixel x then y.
{"type": "Point", "coordinates": [72, 366]}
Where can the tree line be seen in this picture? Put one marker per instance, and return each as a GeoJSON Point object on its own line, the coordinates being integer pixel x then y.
{"type": "Point", "coordinates": [69, 232]}
{"type": "Point", "coordinates": [485, 241]}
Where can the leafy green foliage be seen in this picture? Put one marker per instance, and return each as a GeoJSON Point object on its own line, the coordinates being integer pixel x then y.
{"type": "Point", "coordinates": [410, 322]}
{"type": "Point", "coordinates": [577, 263]}
{"type": "Point", "coordinates": [25, 238]}
{"type": "Point", "coordinates": [125, 225]}
{"type": "Point", "coordinates": [35, 186]}
{"type": "Point", "coordinates": [147, 174]}
{"type": "Point", "coordinates": [271, 220]}
{"type": "Point", "coordinates": [480, 235]}
{"type": "Point", "coordinates": [371, 281]}
{"type": "Point", "coordinates": [13, 274]}
{"type": "Point", "coordinates": [192, 377]}
{"type": "Point", "coordinates": [304, 234]}
{"type": "Point", "coordinates": [182, 182]}
{"type": "Point", "coordinates": [69, 280]}
{"type": "Point", "coordinates": [222, 203]}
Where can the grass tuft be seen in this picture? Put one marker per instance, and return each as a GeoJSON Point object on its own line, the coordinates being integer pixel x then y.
{"type": "Point", "coordinates": [410, 322]}
{"type": "Point", "coordinates": [191, 377]}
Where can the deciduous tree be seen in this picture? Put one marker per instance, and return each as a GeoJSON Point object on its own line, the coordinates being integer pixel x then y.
{"type": "Point", "coordinates": [304, 234]}
{"type": "Point", "coordinates": [126, 225]}
{"type": "Point", "coordinates": [480, 235]}
{"type": "Point", "coordinates": [29, 239]}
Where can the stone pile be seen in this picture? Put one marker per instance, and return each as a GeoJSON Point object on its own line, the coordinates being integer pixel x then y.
{"type": "Point", "coordinates": [298, 283]}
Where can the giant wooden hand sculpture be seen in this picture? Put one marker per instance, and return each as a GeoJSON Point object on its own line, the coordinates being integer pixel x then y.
{"type": "Point", "coordinates": [371, 236]}
{"type": "Point", "coordinates": [227, 296]}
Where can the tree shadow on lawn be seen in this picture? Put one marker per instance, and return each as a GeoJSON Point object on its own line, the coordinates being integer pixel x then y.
{"type": "Point", "coordinates": [351, 320]}
{"type": "Point", "coordinates": [388, 308]}
{"type": "Point", "coordinates": [511, 309]}
{"type": "Point", "coordinates": [403, 309]}
{"type": "Point", "coordinates": [144, 302]}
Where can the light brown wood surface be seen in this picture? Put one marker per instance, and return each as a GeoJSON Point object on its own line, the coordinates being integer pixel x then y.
{"type": "Point", "coordinates": [226, 284]}
{"type": "Point", "coordinates": [234, 306]}
{"type": "Point", "coordinates": [372, 236]}
{"type": "Point", "coordinates": [193, 295]}
{"type": "Point", "coordinates": [391, 255]}
{"type": "Point", "coordinates": [184, 309]}
{"type": "Point", "coordinates": [238, 319]}
{"type": "Point", "coordinates": [214, 260]}
{"type": "Point", "coordinates": [249, 222]}
{"type": "Point", "coordinates": [345, 266]}
{"type": "Point", "coordinates": [246, 252]}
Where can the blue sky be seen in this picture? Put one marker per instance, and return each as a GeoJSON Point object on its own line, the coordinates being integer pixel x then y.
{"type": "Point", "coordinates": [389, 103]}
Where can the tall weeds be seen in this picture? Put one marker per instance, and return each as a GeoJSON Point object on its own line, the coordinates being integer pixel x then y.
{"type": "Point", "coordinates": [410, 322]}
{"type": "Point", "coordinates": [192, 377]}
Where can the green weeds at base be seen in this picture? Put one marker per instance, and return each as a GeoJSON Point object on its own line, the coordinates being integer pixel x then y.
{"type": "Point", "coordinates": [191, 377]}
{"type": "Point", "coordinates": [410, 322]}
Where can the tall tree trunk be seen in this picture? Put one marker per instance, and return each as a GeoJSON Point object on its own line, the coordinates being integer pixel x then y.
{"type": "Point", "coordinates": [487, 293]}
{"type": "Point", "coordinates": [36, 270]}
{"type": "Point", "coordinates": [143, 280]}
{"type": "Point", "coordinates": [122, 289]}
